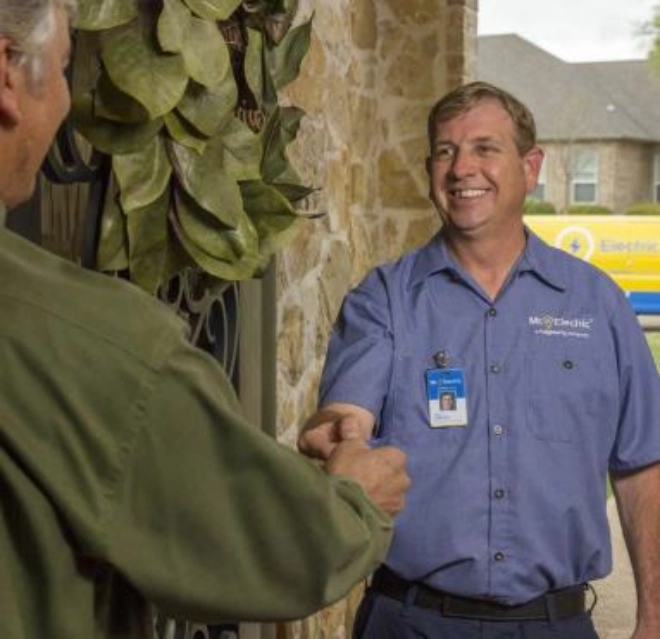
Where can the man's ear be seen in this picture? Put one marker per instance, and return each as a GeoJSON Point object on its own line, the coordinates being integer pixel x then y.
{"type": "Point", "coordinates": [533, 160]}
{"type": "Point", "coordinates": [10, 113]}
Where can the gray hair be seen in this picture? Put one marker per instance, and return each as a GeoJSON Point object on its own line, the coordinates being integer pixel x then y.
{"type": "Point", "coordinates": [29, 25]}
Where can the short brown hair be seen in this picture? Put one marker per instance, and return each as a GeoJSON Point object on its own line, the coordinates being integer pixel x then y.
{"type": "Point", "coordinates": [463, 98]}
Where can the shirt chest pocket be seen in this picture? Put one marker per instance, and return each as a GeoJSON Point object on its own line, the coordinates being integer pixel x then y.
{"type": "Point", "coordinates": [563, 390]}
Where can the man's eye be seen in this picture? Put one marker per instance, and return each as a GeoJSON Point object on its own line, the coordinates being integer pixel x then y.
{"type": "Point", "coordinates": [486, 149]}
{"type": "Point", "coordinates": [443, 153]}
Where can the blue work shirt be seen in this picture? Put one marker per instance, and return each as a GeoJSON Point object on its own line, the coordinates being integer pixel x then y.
{"type": "Point", "coordinates": [561, 386]}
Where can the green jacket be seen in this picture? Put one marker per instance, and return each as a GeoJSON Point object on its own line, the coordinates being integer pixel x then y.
{"type": "Point", "coordinates": [127, 475]}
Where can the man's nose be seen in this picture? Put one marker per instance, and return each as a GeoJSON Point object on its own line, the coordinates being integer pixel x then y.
{"type": "Point", "coordinates": [462, 164]}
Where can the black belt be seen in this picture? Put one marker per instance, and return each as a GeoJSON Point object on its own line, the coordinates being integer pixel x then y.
{"type": "Point", "coordinates": [557, 604]}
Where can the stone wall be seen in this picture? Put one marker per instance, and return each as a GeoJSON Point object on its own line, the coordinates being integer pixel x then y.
{"type": "Point", "coordinates": [374, 69]}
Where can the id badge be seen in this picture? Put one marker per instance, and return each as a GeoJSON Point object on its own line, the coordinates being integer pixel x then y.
{"type": "Point", "coordinates": [447, 397]}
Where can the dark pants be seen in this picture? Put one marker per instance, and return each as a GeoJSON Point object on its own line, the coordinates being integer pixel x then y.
{"type": "Point", "coordinates": [380, 617]}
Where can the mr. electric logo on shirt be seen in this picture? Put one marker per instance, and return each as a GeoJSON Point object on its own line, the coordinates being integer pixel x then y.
{"type": "Point", "coordinates": [552, 325]}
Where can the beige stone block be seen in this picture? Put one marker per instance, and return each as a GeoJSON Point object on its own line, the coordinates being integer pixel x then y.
{"type": "Point", "coordinates": [337, 187]}
{"type": "Point", "coordinates": [304, 254]}
{"type": "Point", "coordinates": [419, 12]}
{"type": "Point", "coordinates": [308, 90]}
{"type": "Point", "coordinates": [363, 24]}
{"type": "Point", "coordinates": [363, 110]}
{"type": "Point", "coordinates": [409, 120]}
{"type": "Point", "coordinates": [334, 280]}
{"type": "Point", "coordinates": [290, 343]}
{"type": "Point", "coordinates": [420, 230]}
{"type": "Point", "coordinates": [398, 189]}
{"type": "Point", "coordinates": [411, 74]}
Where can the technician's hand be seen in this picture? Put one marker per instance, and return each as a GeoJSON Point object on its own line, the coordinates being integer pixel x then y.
{"type": "Point", "coordinates": [332, 424]}
{"type": "Point", "coordinates": [380, 471]}
{"type": "Point", "coordinates": [320, 441]}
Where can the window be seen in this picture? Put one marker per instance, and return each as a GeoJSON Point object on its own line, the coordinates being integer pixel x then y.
{"type": "Point", "coordinates": [585, 177]}
{"type": "Point", "coordinates": [538, 193]}
{"type": "Point", "coordinates": [656, 177]}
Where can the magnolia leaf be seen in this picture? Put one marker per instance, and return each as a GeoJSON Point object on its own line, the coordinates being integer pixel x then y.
{"type": "Point", "coordinates": [281, 130]}
{"type": "Point", "coordinates": [207, 109]}
{"type": "Point", "coordinates": [154, 79]}
{"type": "Point", "coordinates": [294, 192]}
{"type": "Point", "coordinates": [243, 150]}
{"type": "Point", "coordinates": [173, 25]}
{"type": "Point", "coordinates": [112, 104]}
{"type": "Point", "coordinates": [184, 133]}
{"type": "Point", "coordinates": [94, 15]}
{"type": "Point", "coordinates": [284, 60]}
{"type": "Point", "coordinates": [142, 175]}
{"type": "Point", "coordinates": [205, 231]}
{"type": "Point", "coordinates": [230, 271]}
{"type": "Point", "coordinates": [177, 258]}
{"type": "Point", "coordinates": [111, 137]}
{"type": "Point", "coordinates": [205, 53]}
{"type": "Point", "coordinates": [204, 178]}
{"type": "Point", "coordinates": [112, 252]}
{"type": "Point", "coordinates": [147, 234]}
{"type": "Point", "coordinates": [213, 9]}
{"type": "Point", "coordinates": [272, 215]}
{"type": "Point", "coordinates": [254, 61]}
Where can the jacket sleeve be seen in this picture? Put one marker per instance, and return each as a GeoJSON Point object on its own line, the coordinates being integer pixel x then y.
{"type": "Point", "coordinates": [211, 519]}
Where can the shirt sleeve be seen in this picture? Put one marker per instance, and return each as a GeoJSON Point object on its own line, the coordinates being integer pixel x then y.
{"type": "Point", "coordinates": [638, 436]}
{"type": "Point", "coordinates": [358, 364]}
{"type": "Point", "coordinates": [215, 520]}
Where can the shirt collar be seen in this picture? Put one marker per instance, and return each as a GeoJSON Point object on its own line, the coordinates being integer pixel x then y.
{"type": "Point", "coordinates": [433, 257]}
{"type": "Point", "coordinates": [541, 260]}
{"type": "Point", "coordinates": [538, 258]}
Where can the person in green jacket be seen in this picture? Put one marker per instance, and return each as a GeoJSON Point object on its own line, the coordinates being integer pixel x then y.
{"type": "Point", "coordinates": [128, 478]}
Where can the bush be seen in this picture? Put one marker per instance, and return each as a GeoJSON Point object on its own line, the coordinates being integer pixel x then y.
{"type": "Point", "coordinates": [588, 209]}
{"type": "Point", "coordinates": [643, 208]}
{"type": "Point", "coordinates": [536, 207]}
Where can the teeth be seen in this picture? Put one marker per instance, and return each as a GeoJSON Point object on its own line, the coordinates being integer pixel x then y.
{"type": "Point", "coordinates": [469, 193]}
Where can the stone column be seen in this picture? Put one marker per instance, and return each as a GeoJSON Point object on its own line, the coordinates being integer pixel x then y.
{"type": "Point", "coordinates": [374, 70]}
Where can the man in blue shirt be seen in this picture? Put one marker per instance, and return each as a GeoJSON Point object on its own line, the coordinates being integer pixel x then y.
{"type": "Point", "coordinates": [554, 386]}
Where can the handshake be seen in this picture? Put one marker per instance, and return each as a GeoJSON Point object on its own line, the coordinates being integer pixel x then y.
{"type": "Point", "coordinates": [337, 435]}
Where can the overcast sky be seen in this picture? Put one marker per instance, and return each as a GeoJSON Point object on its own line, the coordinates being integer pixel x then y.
{"type": "Point", "coordinates": [573, 30]}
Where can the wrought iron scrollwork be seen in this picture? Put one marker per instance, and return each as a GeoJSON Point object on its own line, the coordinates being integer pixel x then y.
{"type": "Point", "coordinates": [211, 309]}
{"type": "Point", "coordinates": [170, 629]}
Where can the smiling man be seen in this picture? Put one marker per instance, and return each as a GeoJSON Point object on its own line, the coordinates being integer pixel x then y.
{"type": "Point", "coordinates": [505, 524]}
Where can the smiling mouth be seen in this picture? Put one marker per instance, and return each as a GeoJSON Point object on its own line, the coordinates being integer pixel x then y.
{"type": "Point", "coordinates": [467, 194]}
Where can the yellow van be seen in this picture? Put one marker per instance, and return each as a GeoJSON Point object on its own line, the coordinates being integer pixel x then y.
{"type": "Point", "coordinates": [627, 247]}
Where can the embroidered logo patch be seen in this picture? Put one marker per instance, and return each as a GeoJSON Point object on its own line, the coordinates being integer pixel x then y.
{"type": "Point", "coordinates": [553, 325]}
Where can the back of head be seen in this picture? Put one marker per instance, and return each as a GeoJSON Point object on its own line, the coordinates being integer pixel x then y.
{"type": "Point", "coordinates": [29, 24]}
{"type": "Point", "coordinates": [465, 97]}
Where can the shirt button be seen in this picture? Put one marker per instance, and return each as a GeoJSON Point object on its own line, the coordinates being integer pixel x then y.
{"type": "Point", "coordinates": [492, 312]}
{"type": "Point", "coordinates": [495, 368]}
{"type": "Point", "coordinates": [499, 493]}
{"type": "Point", "coordinates": [568, 364]}
{"type": "Point", "coordinates": [498, 430]}
{"type": "Point", "coordinates": [499, 556]}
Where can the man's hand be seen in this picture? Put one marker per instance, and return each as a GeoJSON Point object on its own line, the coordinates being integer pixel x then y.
{"type": "Point", "coordinates": [333, 424]}
{"type": "Point", "coordinates": [380, 471]}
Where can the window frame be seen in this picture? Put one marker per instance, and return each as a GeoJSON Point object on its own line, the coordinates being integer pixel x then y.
{"type": "Point", "coordinates": [584, 178]}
